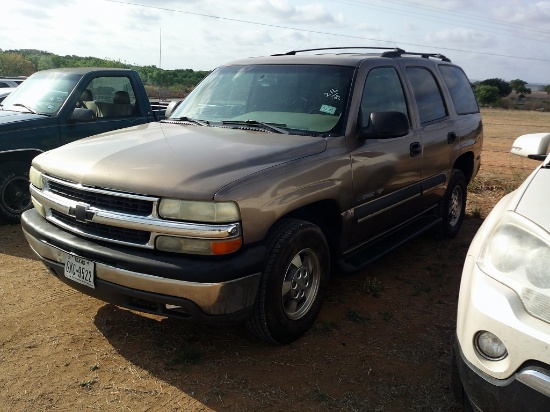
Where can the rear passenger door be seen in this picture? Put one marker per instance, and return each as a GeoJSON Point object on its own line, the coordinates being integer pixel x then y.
{"type": "Point", "coordinates": [387, 172]}
{"type": "Point", "coordinates": [433, 118]}
{"type": "Point", "coordinates": [112, 99]}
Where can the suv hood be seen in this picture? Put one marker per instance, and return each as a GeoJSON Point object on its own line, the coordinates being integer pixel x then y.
{"type": "Point", "coordinates": [162, 159]}
{"type": "Point", "coordinates": [534, 200]}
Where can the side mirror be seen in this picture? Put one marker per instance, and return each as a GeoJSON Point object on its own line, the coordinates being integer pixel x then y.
{"type": "Point", "coordinates": [385, 125]}
{"type": "Point", "coordinates": [532, 146]}
{"type": "Point", "coordinates": [171, 107]}
{"type": "Point", "coordinates": [82, 115]}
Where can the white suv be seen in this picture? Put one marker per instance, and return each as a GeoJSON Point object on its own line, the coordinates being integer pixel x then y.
{"type": "Point", "coordinates": [501, 356]}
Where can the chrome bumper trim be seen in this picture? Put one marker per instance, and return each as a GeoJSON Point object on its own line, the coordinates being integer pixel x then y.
{"type": "Point", "coordinates": [213, 298]}
{"type": "Point", "coordinates": [535, 380]}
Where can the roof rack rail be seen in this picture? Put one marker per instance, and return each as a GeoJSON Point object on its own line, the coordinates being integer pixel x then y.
{"type": "Point", "coordinates": [399, 53]}
{"type": "Point", "coordinates": [293, 52]}
{"type": "Point", "coordinates": [389, 52]}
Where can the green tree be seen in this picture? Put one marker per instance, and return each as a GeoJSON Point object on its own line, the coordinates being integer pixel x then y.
{"type": "Point", "coordinates": [504, 88]}
{"type": "Point", "coordinates": [546, 89]}
{"type": "Point", "coordinates": [519, 86]}
{"type": "Point", "coordinates": [14, 64]}
{"type": "Point", "coordinates": [486, 94]}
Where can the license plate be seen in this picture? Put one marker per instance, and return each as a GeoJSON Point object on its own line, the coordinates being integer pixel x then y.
{"type": "Point", "coordinates": [80, 270]}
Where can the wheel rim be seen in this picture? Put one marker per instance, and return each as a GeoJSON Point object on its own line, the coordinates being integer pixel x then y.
{"type": "Point", "coordinates": [15, 195]}
{"type": "Point", "coordinates": [301, 284]}
{"type": "Point", "coordinates": [455, 206]}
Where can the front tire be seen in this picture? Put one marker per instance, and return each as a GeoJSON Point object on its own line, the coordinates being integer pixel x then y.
{"type": "Point", "coordinates": [15, 197]}
{"type": "Point", "coordinates": [453, 205]}
{"type": "Point", "coordinates": [294, 282]}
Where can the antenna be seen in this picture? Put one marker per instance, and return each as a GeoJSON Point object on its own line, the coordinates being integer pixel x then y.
{"type": "Point", "coordinates": [160, 59]}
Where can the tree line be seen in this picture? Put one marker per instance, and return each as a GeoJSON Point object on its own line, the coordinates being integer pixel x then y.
{"type": "Point", "coordinates": [491, 91]}
{"type": "Point", "coordinates": [178, 83]}
{"type": "Point", "coordinates": [174, 83]}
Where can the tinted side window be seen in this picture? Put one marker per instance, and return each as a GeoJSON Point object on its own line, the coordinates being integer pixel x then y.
{"type": "Point", "coordinates": [460, 89]}
{"type": "Point", "coordinates": [427, 94]}
{"type": "Point", "coordinates": [382, 93]}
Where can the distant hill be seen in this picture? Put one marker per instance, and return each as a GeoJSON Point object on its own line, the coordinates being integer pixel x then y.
{"type": "Point", "coordinates": [24, 62]}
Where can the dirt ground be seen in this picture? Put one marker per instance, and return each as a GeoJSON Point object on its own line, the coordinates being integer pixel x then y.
{"type": "Point", "coordinates": [381, 343]}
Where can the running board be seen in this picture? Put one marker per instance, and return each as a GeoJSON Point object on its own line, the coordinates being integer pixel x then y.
{"type": "Point", "coordinates": [366, 254]}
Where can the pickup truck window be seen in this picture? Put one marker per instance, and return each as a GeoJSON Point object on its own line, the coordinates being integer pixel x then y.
{"type": "Point", "coordinates": [109, 97]}
{"type": "Point", "coordinates": [302, 98]}
{"type": "Point", "coordinates": [460, 89]}
{"type": "Point", "coordinates": [382, 93]}
{"type": "Point", "coordinates": [42, 93]}
{"type": "Point", "coordinates": [427, 94]}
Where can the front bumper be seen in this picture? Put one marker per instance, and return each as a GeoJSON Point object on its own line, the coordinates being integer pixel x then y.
{"type": "Point", "coordinates": [208, 290]}
{"type": "Point", "coordinates": [525, 390]}
{"type": "Point", "coordinates": [521, 380]}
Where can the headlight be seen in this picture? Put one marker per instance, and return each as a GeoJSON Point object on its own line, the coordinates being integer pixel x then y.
{"type": "Point", "coordinates": [517, 254]}
{"type": "Point", "coordinates": [195, 211]}
{"type": "Point", "coordinates": [35, 177]}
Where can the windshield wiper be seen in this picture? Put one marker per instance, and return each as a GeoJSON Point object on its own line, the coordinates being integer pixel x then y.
{"type": "Point", "coordinates": [190, 120]}
{"type": "Point", "coordinates": [25, 106]}
{"type": "Point", "coordinates": [276, 127]}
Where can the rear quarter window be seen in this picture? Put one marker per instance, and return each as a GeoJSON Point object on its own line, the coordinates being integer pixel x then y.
{"type": "Point", "coordinates": [427, 95]}
{"type": "Point", "coordinates": [461, 91]}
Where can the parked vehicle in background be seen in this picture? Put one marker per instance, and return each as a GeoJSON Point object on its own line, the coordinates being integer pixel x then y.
{"type": "Point", "coordinates": [58, 106]}
{"type": "Point", "coordinates": [234, 207]}
{"type": "Point", "coordinates": [14, 81]}
{"type": "Point", "coordinates": [4, 92]}
{"type": "Point", "coordinates": [501, 356]}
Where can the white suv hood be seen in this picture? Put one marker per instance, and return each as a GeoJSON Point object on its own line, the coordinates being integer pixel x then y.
{"type": "Point", "coordinates": [534, 202]}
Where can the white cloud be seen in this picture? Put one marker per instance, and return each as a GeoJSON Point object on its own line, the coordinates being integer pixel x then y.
{"type": "Point", "coordinates": [458, 36]}
{"type": "Point", "coordinates": [202, 34]}
{"type": "Point", "coordinates": [254, 37]}
{"type": "Point", "coordinates": [283, 11]}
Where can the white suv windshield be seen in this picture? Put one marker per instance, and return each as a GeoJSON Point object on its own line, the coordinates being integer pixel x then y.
{"type": "Point", "coordinates": [301, 98]}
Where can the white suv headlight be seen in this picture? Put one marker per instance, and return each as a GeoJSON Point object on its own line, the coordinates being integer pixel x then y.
{"type": "Point", "coordinates": [517, 254]}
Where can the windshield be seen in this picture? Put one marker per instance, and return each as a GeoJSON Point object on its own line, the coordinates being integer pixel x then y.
{"type": "Point", "coordinates": [299, 98]}
{"type": "Point", "coordinates": [43, 93]}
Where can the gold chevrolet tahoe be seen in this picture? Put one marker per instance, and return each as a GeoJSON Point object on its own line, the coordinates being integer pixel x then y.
{"type": "Point", "coordinates": [270, 173]}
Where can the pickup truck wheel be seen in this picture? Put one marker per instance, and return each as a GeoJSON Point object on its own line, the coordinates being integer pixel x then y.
{"type": "Point", "coordinates": [453, 205]}
{"type": "Point", "coordinates": [14, 191]}
{"type": "Point", "coordinates": [294, 282]}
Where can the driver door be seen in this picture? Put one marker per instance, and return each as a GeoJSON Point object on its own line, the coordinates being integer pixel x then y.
{"type": "Point", "coordinates": [387, 172]}
{"type": "Point", "coordinates": [113, 103]}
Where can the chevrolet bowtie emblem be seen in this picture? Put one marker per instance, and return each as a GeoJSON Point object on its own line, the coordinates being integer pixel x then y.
{"type": "Point", "coordinates": [82, 213]}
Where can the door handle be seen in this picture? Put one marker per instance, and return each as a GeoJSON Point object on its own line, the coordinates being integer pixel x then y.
{"type": "Point", "coordinates": [415, 149]}
{"type": "Point", "coordinates": [451, 137]}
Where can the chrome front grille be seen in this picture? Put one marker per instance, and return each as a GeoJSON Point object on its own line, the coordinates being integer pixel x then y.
{"type": "Point", "coordinates": [97, 213]}
{"type": "Point", "coordinates": [113, 216]}
{"type": "Point", "coordinates": [119, 234]}
{"type": "Point", "coordinates": [103, 200]}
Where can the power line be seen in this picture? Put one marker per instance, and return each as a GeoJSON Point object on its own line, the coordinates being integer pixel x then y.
{"type": "Point", "coordinates": [480, 27]}
{"type": "Point", "coordinates": [393, 42]}
{"type": "Point", "coordinates": [469, 16]}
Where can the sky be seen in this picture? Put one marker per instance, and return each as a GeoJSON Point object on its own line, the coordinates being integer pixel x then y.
{"type": "Point", "coordinates": [506, 39]}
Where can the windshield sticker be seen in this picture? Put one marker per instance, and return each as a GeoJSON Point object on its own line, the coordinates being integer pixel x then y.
{"type": "Point", "coordinates": [333, 94]}
{"type": "Point", "coordinates": [50, 107]}
{"type": "Point", "coordinates": [327, 109]}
